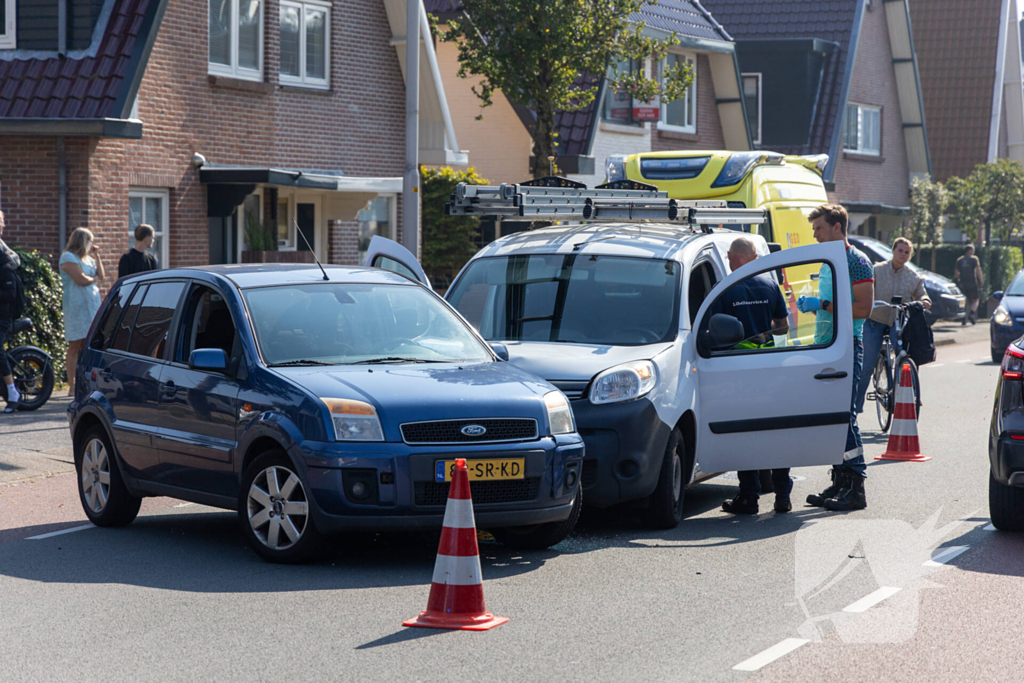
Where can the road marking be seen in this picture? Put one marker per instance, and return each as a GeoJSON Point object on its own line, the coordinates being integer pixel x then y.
{"type": "Point", "coordinates": [969, 360]}
{"type": "Point", "coordinates": [867, 602]}
{"type": "Point", "coordinates": [770, 655]}
{"type": "Point", "coordinates": [990, 527]}
{"type": "Point", "coordinates": [946, 554]}
{"type": "Point", "coordinates": [58, 533]}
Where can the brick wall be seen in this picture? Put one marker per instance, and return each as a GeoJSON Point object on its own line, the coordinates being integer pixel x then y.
{"type": "Point", "coordinates": [357, 128]}
{"type": "Point", "coordinates": [709, 128]}
{"type": "Point", "coordinates": [885, 179]}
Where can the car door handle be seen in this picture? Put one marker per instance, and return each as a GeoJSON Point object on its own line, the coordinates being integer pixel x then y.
{"type": "Point", "coordinates": [831, 375]}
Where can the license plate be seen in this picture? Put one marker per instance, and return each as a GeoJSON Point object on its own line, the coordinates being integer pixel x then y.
{"type": "Point", "coordinates": [489, 470]}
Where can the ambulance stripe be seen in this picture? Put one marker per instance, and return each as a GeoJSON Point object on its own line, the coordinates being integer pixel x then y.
{"type": "Point", "coordinates": [458, 542]}
{"type": "Point", "coordinates": [905, 411]}
{"type": "Point", "coordinates": [903, 428]}
{"type": "Point", "coordinates": [456, 600]}
{"type": "Point", "coordinates": [459, 514]}
{"type": "Point", "coordinates": [457, 571]}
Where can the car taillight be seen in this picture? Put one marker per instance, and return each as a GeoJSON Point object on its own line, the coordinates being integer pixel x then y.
{"type": "Point", "coordinates": [1013, 363]}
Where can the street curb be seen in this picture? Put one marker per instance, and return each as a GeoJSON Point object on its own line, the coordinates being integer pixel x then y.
{"type": "Point", "coordinates": [944, 342]}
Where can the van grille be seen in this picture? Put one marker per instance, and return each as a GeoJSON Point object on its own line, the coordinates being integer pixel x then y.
{"type": "Point", "coordinates": [574, 390]}
{"type": "Point", "coordinates": [449, 431]}
{"type": "Point", "coordinates": [507, 491]}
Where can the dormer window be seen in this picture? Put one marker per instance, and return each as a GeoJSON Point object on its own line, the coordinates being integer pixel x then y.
{"type": "Point", "coordinates": [236, 38]}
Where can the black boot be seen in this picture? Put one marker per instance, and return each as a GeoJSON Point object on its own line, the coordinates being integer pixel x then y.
{"type": "Point", "coordinates": [742, 504]}
{"type": "Point", "coordinates": [851, 497]}
{"type": "Point", "coordinates": [782, 502]}
{"type": "Point", "coordinates": [838, 480]}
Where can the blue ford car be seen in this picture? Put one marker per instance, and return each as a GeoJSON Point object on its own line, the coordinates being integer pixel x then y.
{"type": "Point", "coordinates": [313, 402]}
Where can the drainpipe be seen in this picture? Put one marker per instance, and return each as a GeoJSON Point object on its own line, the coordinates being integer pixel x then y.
{"type": "Point", "coordinates": [62, 193]}
{"type": "Point", "coordinates": [411, 178]}
{"type": "Point", "coordinates": [62, 27]}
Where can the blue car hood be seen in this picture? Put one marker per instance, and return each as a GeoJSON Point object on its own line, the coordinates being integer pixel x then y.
{"type": "Point", "coordinates": [429, 391]}
{"type": "Point", "coordinates": [1014, 304]}
{"type": "Point", "coordinates": [562, 361]}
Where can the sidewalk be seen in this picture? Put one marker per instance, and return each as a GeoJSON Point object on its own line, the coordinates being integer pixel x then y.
{"type": "Point", "coordinates": [952, 332]}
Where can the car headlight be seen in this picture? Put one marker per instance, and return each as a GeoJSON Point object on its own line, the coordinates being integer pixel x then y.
{"type": "Point", "coordinates": [559, 413]}
{"type": "Point", "coordinates": [615, 167]}
{"type": "Point", "coordinates": [1002, 317]}
{"type": "Point", "coordinates": [624, 382]}
{"type": "Point", "coordinates": [354, 420]}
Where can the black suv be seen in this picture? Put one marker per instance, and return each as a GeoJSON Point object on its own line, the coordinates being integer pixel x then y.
{"type": "Point", "coordinates": [1006, 444]}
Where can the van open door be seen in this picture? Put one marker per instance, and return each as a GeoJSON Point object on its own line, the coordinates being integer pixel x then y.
{"type": "Point", "coordinates": [784, 403]}
{"type": "Point", "coordinates": [390, 255]}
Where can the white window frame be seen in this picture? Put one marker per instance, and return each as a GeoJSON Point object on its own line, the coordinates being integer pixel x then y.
{"type": "Point", "coordinates": [165, 234]}
{"type": "Point", "coordinates": [303, 80]}
{"type": "Point", "coordinates": [9, 32]}
{"type": "Point", "coordinates": [755, 135]}
{"type": "Point", "coordinates": [233, 70]}
{"type": "Point", "coordinates": [861, 109]}
{"type": "Point", "coordinates": [240, 244]}
{"type": "Point", "coordinates": [690, 97]}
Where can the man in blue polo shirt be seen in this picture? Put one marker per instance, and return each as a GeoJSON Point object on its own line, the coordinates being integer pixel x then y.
{"type": "Point", "coordinates": [756, 302]}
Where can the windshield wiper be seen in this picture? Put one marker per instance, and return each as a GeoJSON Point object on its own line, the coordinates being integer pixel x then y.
{"type": "Point", "coordinates": [398, 359]}
{"type": "Point", "coordinates": [295, 363]}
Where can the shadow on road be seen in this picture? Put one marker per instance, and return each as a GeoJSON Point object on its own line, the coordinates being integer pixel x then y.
{"type": "Point", "coordinates": [992, 552]}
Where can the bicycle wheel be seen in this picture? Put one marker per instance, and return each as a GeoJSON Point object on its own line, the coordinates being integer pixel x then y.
{"type": "Point", "coordinates": [881, 379]}
{"type": "Point", "coordinates": [915, 381]}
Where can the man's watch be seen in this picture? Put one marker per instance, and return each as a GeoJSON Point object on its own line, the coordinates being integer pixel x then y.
{"type": "Point", "coordinates": [825, 303]}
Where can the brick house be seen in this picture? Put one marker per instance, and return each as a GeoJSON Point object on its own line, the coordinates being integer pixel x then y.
{"type": "Point", "coordinates": [838, 77]}
{"type": "Point", "coordinates": [970, 62]}
{"type": "Point", "coordinates": [205, 117]}
{"type": "Point", "coordinates": [711, 116]}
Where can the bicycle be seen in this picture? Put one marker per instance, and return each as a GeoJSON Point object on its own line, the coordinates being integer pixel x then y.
{"type": "Point", "coordinates": [884, 378]}
{"type": "Point", "coordinates": [32, 369]}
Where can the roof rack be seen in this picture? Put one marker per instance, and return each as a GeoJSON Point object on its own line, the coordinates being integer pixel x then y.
{"type": "Point", "coordinates": [559, 199]}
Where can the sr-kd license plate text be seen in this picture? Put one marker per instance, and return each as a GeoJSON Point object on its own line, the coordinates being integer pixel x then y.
{"type": "Point", "coordinates": [482, 469]}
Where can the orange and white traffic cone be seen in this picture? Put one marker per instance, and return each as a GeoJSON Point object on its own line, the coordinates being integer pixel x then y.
{"type": "Point", "coordinates": [903, 443]}
{"type": "Point", "coordinates": [457, 592]}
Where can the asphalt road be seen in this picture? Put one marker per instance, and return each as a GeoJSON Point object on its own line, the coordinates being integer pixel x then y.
{"type": "Point", "coordinates": [177, 596]}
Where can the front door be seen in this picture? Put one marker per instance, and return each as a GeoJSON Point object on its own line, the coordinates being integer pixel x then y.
{"type": "Point", "coordinates": [198, 409]}
{"type": "Point", "coordinates": [787, 403]}
{"type": "Point", "coordinates": [390, 255]}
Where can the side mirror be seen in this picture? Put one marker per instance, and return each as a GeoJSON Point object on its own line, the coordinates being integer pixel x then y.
{"type": "Point", "coordinates": [208, 360]}
{"type": "Point", "coordinates": [500, 351]}
{"type": "Point", "coordinates": [998, 296]}
{"type": "Point", "coordinates": [724, 332]}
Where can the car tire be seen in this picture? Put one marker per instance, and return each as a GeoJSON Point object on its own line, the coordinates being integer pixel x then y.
{"type": "Point", "coordinates": [540, 536]}
{"type": "Point", "coordinates": [665, 505]}
{"type": "Point", "coordinates": [273, 503]}
{"type": "Point", "coordinates": [997, 357]}
{"type": "Point", "coordinates": [1005, 505]}
{"type": "Point", "coordinates": [101, 489]}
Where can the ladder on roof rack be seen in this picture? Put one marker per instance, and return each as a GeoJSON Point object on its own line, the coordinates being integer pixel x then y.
{"type": "Point", "coordinates": [561, 199]}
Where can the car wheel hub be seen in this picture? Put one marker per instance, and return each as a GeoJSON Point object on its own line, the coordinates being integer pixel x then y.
{"type": "Point", "coordinates": [277, 507]}
{"type": "Point", "coordinates": [95, 476]}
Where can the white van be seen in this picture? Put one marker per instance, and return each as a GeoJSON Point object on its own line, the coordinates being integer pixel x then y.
{"type": "Point", "coordinates": [618, 316]}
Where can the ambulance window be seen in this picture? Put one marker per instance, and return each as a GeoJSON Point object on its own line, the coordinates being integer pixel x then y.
{"type": "Point", "coordinates": [702, 280]}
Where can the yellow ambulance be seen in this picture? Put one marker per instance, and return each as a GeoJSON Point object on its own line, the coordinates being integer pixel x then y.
{"type": "Point", "coordinates": [788, 186]}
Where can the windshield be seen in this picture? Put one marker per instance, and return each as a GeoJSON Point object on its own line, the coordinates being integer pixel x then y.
{"type": "Point", "coordinates": [338, 323]}
{"type": "Point", "coordinates": [573, 299]}
{"type": "Point", "coordinates": [1016, 287]}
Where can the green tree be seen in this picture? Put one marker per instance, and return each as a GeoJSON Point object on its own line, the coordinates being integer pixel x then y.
{"type": "Point", "coordinates": [535, 52]}
{"type": "Point", "coordinates": [928, 203]}
{"type": "Point", "coordinates": [448, 241]}
{"type": "Point", "coordinates": [990, 201]}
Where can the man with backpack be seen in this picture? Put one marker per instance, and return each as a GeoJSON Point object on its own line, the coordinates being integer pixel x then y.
{"type": "Point", "coordinates": [12, 303]}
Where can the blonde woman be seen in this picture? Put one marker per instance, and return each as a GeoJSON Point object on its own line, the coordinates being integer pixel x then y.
{"type": "Point", "coordinates": [80, 270]}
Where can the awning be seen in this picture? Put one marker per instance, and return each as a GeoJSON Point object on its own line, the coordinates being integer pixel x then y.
{"type": "Point", "coordinates": [876, 208]}
{"type": "Point", "coordinates": [282, 177]}
{"type": "Point", "coordinates": [437, 134]}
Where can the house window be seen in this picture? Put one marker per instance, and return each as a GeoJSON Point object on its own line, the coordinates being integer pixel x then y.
{"type": "Point", "coordinates": [681, 115]}
{"type": "Point", "coordinates": [862, 129]}
{"type": "Point", "coordinates": [8, 37]}
{"type": "Point", "coordinates": [150, 207]}
{"type": "Point", "coordinates": [618, 104]}
{"type": "Point", "coordinates": [752, 103]}
{"type": "Point", "coordinates": [236, 38]}
{"type": "Point", "coordinates": [376, 219]}
{"type": "Point", "coordinates": [305, 43]}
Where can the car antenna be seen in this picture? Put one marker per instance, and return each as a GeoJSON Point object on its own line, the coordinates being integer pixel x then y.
{"type": "Point", "coordinates": [299, 231]}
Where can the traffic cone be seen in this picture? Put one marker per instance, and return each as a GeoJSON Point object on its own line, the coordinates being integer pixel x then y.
{"type": "Point", "coordinates": [457, 593]}
{"type": "Point", "coordinates": [903, 444]}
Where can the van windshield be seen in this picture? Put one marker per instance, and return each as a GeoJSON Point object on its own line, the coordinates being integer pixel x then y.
{"type": "Point", "coordinates": [581, 299]}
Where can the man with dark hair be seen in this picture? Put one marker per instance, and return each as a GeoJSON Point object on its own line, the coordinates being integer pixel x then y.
{"type": "Point", "coordinates": [137, 259]}
{"type": "Point", "coordinates": [829, 222]}
{"type": "Point", "coordinates": [968, 274]}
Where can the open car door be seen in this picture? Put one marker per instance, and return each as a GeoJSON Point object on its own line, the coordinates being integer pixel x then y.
{"type": "Point", "coordinates": [390, 255]}
{"type": "Point", "coordinates": [764, 406]}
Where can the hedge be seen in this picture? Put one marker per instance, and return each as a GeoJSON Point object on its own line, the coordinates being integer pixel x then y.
{"type": "Point", "coordinates": [998, 263]}
{"type": "Point", "coordinates": [448, 241]}
{"type": "Point", "coordinates": [44, 295]}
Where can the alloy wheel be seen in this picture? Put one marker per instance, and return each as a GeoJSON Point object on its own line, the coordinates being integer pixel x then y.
{"type": "Point", "coordinates": [278, 508]}
{"type": "Point", "coordinates": [96, 475]}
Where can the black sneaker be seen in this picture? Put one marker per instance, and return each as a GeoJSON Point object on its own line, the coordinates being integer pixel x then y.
{"type": "Point", "coordinates": [742, 504]}
{"type": "Point", "coordinates": [838, 480]}
{"type": "Point", "coordinates": [782, 503]}
{"type": "Point", "coordinates": [851, 497]}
